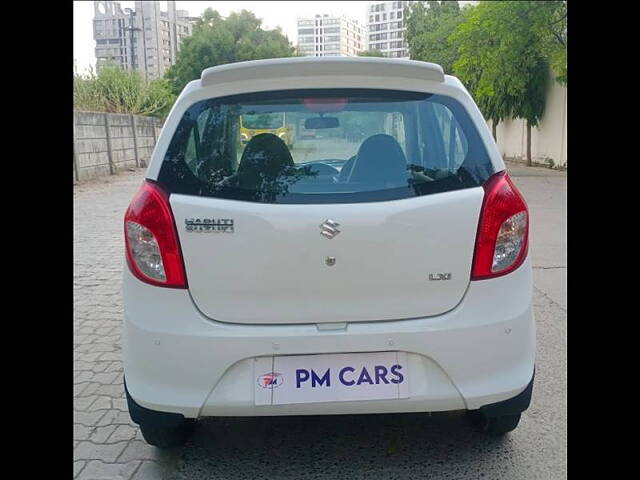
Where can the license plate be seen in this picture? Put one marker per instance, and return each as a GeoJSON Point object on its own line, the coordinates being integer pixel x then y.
{"type": "Point", "coordinates": [340, 377]}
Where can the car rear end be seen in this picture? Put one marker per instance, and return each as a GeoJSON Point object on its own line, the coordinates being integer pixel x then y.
{"type": "Point", "coordinates": [376, 276]}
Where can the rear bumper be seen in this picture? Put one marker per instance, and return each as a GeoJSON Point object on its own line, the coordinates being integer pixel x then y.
{"type": "Point", "coordinates": [480, 353]}
{"type": "Point", "coordinates": [140, 414]}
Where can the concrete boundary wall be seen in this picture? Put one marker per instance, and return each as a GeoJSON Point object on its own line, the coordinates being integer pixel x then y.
{"type": "Point", "coordinates": [548, 139]}
{"type": "Point", "coordinates": [105, 143]}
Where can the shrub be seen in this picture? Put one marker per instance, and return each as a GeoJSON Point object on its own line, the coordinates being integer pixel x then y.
{"type": "Point", "coordinates": [115, 90]}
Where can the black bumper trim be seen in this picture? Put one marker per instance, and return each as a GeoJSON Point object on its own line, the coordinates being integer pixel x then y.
{"type": "Point", "coordinates": [511, 406]}
{"type": "Point", "coordinates": [141, 415]}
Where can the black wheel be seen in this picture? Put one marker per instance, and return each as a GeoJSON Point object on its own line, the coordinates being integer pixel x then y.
{"type": "Point", "coordinates": [167, 437]}
{"type": "Point", "coordinates": [495, 426]}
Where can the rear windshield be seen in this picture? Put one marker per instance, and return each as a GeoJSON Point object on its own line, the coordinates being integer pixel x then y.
{"type": "Point", "coordinates": [324, 146]}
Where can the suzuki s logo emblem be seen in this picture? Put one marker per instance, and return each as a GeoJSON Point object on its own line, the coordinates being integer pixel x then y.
{"type": "Point", "coordinates": [329, 228]}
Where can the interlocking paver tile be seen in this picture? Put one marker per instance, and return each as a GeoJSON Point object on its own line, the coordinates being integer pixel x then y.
{"type": "Point", "coordinates": [88, 419]}
{"type": "Point", "coordinates": [81, 432]}
{"type": "Point", "coordinates": [101, 434]}
{"type": "Point", "coordinates": [102, 427]}
{"type": "Point", "coordinates": [106, 452]}
{"type": "Point", "coordinates": [77, 467]}
{"type": "Point", "coordinates": [123, 433]}
{"type": "Point", "coordinates": [97, 470]}
{"type": "Point", "coordinates": [149, 471]}
{"type": "Point", "coordinates": [139, 450]}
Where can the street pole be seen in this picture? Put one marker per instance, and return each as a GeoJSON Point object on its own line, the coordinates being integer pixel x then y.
{"type": "Point", "coordinates": [132, 28]}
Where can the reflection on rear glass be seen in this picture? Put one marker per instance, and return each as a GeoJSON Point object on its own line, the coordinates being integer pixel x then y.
{"type": "Point", "coordinates": [365, 145]}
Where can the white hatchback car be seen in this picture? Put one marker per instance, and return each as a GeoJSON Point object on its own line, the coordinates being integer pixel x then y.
{"type": "Point", "coordinates": [378, 266]}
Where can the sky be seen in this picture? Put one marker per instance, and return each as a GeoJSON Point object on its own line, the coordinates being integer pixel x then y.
{"type": "Point", "coordinates": [272, 13]}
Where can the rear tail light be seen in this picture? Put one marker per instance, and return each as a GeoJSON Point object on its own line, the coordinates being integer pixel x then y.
{"type": "Point", "coordinates": [151, 239]}
{"type": "Point", "coordinates": [503, 231]}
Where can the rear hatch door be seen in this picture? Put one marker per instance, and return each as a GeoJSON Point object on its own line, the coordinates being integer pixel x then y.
{"type": "Point", "coordinates": [388, 260]}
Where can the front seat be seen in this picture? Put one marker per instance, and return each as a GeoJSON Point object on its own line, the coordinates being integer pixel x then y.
{"type": "Point", "coordinates": [380, 161]}
{"type": "Point", "coordinates": [265, 159]}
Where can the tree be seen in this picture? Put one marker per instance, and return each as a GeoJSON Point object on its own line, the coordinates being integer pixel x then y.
{"type": "Point", "coordinates": [551, 27]}
{"type": "Point", "coordinates": [429, 26]}
{"type": "Point", "coordinates": [370, 53]}
{"type": "Point", "coordinates": [298, 52]}
{"type": "Point", "coordinates": [503, 62]}
{"type": "Point", "coordinates": [119, 91]}
{"type": "Point", "coordinates": [216, 41]}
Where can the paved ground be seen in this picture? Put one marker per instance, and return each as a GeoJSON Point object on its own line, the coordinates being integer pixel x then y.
{"type": "Point", "coordinates": [108, 446]}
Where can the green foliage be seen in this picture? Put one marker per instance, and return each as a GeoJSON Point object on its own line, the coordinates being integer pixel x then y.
{"type": "Point", "coordinates": [500, 50]}
{"type": "Point", "coordinates": [370, 53]}
{"type": "Point", "coordinates": [551, 27]}
{"type": "Point", "coordinates": [115, 90]}
{"type": "Point", "coordinates": [501, 59]}
{"type": "Point", "coordinates": [216, 41]}
{"type": "Point", "coordinates": [429, 26]}
{"type": "Point", "coordinates": [297, 52]}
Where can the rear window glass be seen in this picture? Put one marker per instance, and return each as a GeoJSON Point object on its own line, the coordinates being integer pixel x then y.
{"type": "Point", "coordinates": [324, 146]}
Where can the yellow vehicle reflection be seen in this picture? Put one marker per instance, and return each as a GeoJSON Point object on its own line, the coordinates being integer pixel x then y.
{"type": "Point", "coordinates": [275, 123]}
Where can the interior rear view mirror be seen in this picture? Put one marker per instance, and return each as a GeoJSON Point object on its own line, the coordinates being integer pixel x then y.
{"type": "Point", "coordinates": [318, 123]}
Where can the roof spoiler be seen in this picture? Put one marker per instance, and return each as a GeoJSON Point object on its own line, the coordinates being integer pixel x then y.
{"type": "Point", "coordinates": [322, 66]}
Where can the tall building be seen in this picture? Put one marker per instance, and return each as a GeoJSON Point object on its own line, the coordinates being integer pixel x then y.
{"type": "Point", "coordinates": [386, 28]}
{"type": "Point", "coordinates": [330, 36]}
{"type": "Point", "coordinates": [145, 39]}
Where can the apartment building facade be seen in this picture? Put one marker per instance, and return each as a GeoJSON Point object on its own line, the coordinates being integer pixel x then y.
{"type": "Point", "coordinates": [145, 39]}
{"type": "Point", "coordinates": [386, 28]}
{"type": "Point", "coordinates": [330, 36]}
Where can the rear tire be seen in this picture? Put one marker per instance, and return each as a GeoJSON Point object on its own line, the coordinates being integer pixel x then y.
{"type": "Point", "coordinates": [494, 426]}
{"type": "Point", "coordinates": [167, 437]}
